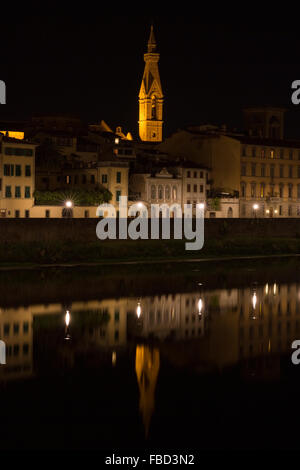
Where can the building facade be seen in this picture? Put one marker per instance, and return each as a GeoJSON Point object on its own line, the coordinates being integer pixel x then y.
{"type": "Point", "coordinates": [17, 177]}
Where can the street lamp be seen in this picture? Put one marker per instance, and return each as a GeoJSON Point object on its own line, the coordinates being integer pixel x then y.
{"type": "Point", "coordinates": [69, 204]}
{"type": "Point", "coordinates": [255, 208]}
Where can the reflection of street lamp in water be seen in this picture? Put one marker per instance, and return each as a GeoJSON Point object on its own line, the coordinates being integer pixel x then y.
{"type": "Point", "coordinates": [67, 323]}
{"type": "Point", "coordinates": [200, 307]}
{"type": "Point", "coordinates": [138, 310]}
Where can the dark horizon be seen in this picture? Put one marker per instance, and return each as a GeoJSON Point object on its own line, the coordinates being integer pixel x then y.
{"type": "Point", "coordinates": [94, 67]}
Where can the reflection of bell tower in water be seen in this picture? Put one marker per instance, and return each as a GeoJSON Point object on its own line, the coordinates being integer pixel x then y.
{"type": "Point", "coordinates": [151, 96]}
{"type": "Point", "coordinates": [147, 368]}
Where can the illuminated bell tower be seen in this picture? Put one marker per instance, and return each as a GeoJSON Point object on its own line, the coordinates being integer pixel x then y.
{"type": "Point", "coordinates": [151, 96]}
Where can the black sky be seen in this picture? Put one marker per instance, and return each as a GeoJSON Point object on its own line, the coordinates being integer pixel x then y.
{"type": "Point", "coordinates": [94, 65]}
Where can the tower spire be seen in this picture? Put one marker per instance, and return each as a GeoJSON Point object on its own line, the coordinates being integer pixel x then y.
{"type": "Point", "coordinates": [152, 41]}
{"type": "Point", "coordinates": [151, 96]}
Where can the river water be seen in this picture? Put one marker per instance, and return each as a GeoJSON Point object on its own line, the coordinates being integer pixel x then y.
{"type": "Point", "coordinates": [189, 356]}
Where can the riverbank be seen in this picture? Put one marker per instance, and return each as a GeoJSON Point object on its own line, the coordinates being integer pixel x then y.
{"type": "Point", "coordinates": [49, 253]}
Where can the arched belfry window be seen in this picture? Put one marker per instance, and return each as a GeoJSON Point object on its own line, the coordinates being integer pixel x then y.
{"type": "Point", "coordinates": [153, 107]}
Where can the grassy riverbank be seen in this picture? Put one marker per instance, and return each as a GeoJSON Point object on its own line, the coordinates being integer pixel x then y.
{"type": "Point", "coordinates": [128, 250]}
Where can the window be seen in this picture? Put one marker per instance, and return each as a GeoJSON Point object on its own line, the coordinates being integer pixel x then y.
{"type": "Point", "coordinates": [7, 191]}
{"type": "Point", "coordinates": [272, 153]}
{"type": "Point", "coordinates": [291, 155]}
{"type": "Point", "coordinates": [195, 188]}
{"type": "Point", "coordinates": [27, 192]}
{"type": "Point", "coordinates": [18, 191]}
{"type": "Point", "coordinates": [188, 188]}
{"type": "Point", "coordinates": [290, 191]}
{"type": "Point", "coordinates": [243, 189]}
{"type": "Point", "coordinates": [263, 170]}
{"type": "Point", "coordinates": [9, 170]}
{"type": "Point", "coordinates": [117, 316]}
{"type": "Point", "coordinates": [262, 190]}
{"type": "Point", "coordinates": [290, 211]}
{"type": "Point", "coordinates": [253, 151]}
{"type": "Point", "coordinates": [104, 178]}
{"type": "Point", "coordinates": [290, 171]}
{"type": "Point", "coordinates": [25, 327]}
{"type": "Point", "coordinates": [118, 177]}
{"type": "Point", "coordinates": [168, 192]}
{"type": "Point", "coordinates": [83, 179]}
{"type": "Point", "coordinates": [86, 214]}
{"type": "Point", "coordinates": [118, 195]}
{"type": "Point", "coordinates": [280, 210]}
{"type": "Point", "coordinates": [6, 170]}
{"type": "Point", "coordinates": [93, 179]}
{"type": "Point", "coordinates": [281, 190]}
{"type": "Point", "coordinates": [195, 174]}
{"type": "Point", "coordinates": [18, 170]}
{"type": "Point", "coordinates": [188, 174]}
{"type": "Point", "coordinates": [27, 170]}
{"type": "Point", "coordinates": [27, 214]}
{"type": "Point", "coordinates": [75, 179]}
{"type": "Point", "coordinates": [18, 151]}
{"type": "Point", "coordinates": [174, 193]}
{"type": "Point", "coordinates": [272, 171]}
{"type": "Point", "coordinates": [201, 174]}
{"type": "Point", "coordinates": [298, 191]}
{"type": "Point", "coordinates": [201, 188]}
{"type": "Point", "coordinates": [47, 213]}
{"type": "Point", "coordinates": [253, 190]}
{"type": "Point", "coordinates": [160, 192]}
{"type": "Point", "coordinates": [153, 191]}
{"type": "Point", "coordinates": [253, 169]}
{"type": "Point", "coordinates": [263, 153]}
{"type": "Point", "coordinates": [281, 171]}
{"type": "Point", "coordinates": [17, 213]}
{"type": "Point", "coordinates": [281, 153]}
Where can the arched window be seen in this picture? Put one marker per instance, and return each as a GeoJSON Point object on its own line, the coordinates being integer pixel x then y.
{"type": "Point", "coordinates": [153, 191]}
{"type": "Point", "coordinates": [174, 193]}
{"type": "Point", "coordinates": [167, 192]}
{"type": "Point", "coordinates": [160, 192]}
{"type": "Point", "coordinates": [243, 189]}
{"type": "Point", "coordinates": [230, 213]}
{"type": "Point", "coordinates": [153, 107]}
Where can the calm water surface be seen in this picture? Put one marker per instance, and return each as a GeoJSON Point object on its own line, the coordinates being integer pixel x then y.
{"type": "Point", "coordinates": [185, 357]}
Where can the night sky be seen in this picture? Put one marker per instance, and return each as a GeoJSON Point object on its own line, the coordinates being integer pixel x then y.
{"type": "Point", "coordinates": [94, 66]}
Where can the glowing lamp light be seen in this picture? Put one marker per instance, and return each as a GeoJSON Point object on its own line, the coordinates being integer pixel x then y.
{"type": "Point", "coordinates": [140, 205]}
{"type": "Point", "coordinates": [67, 318]}
{"type": "Point", "coordinates": [200, 306]}
{"type": "Point", "coordinates": [267, 289]}
{"type": "Point", "coordinates": [69, 204]}
{"type": "Point", "coordinates": [254, 300]}
{"type": "Point", "coordinates": [117, 140]}
{"type": "Point", "coordinates": [138, 310]}
{"type": "Point", "coordinates": [275, 289]}
{"type": "Point", "coordinates": [201, 206]}
{"type": "Point", "coordinates": [255, 207]}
